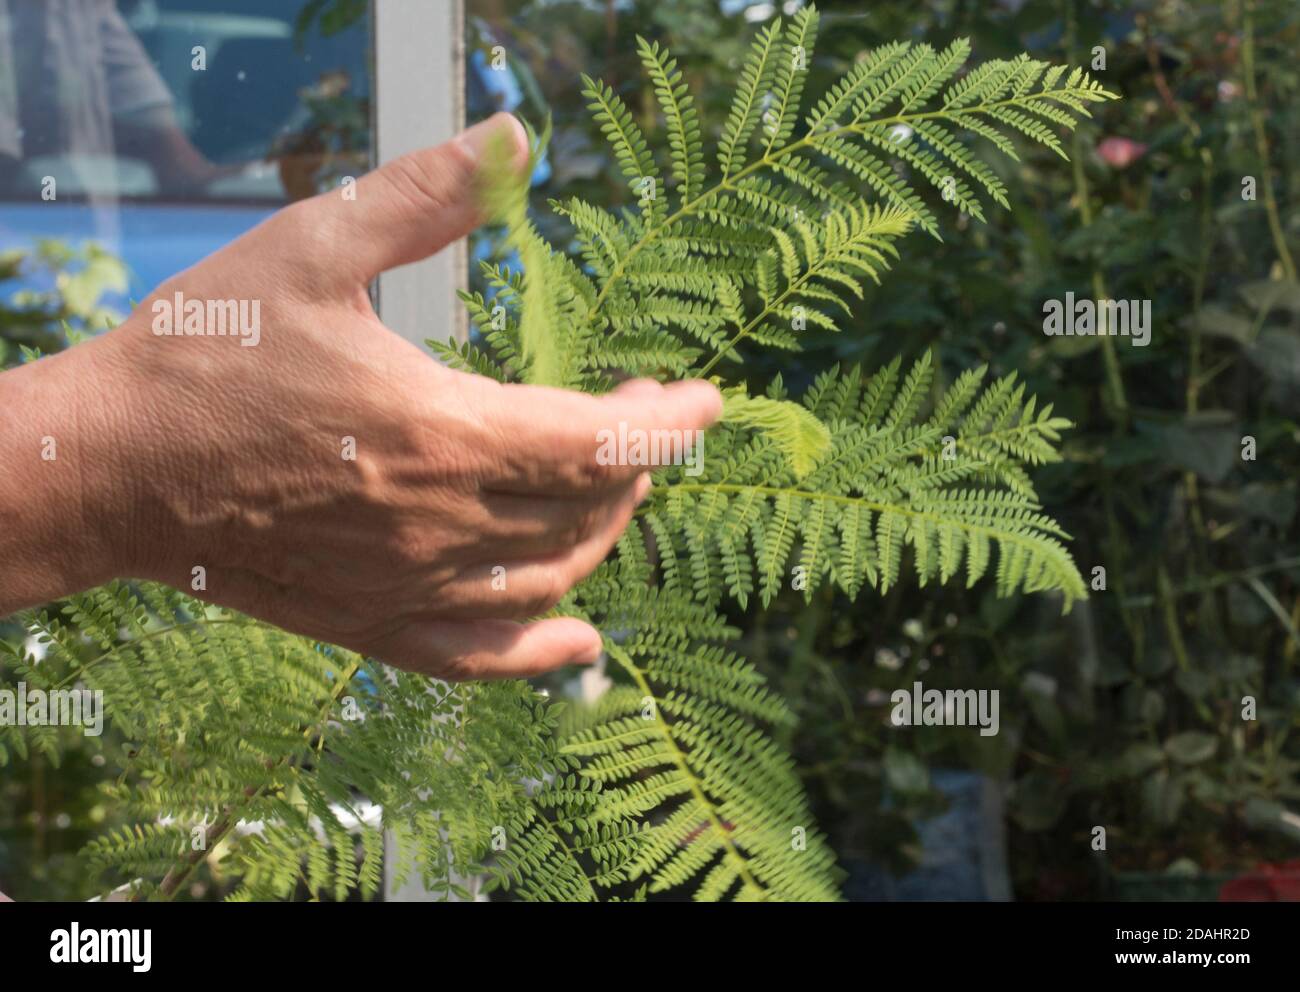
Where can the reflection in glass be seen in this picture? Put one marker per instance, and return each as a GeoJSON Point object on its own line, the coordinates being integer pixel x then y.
{"type": "Point", "coordinates": [162, 129]}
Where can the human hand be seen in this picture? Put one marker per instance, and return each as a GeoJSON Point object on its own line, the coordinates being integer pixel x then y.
{"type": "Point", "coordinates": [334, 479]}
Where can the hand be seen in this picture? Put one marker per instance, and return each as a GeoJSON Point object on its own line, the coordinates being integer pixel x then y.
{"type": "Point", "coordinates": [333, 479]}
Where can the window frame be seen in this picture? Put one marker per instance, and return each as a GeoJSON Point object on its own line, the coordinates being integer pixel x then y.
{"type": "Point", "coordinates": [419, 100]}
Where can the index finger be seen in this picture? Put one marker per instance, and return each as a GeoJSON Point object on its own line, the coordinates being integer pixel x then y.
{"type": "Point", "coordinates": [567, 443]}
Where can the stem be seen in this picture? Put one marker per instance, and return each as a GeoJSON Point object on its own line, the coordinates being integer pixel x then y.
{"type": "Point", "coordinates": [1276, 608]}
{"type": "Point", "coordinates": [1206, 585]}
{"type": "Point", "coordinates": [1206, 240]}
{"type": "Point", "coordinates": [809, 140]}
{"type": "Point", "coordinates": [1110, 359]}
{"type": "Point", "coordinates": [679, 759]}
{"type": "Point", "coordinates": [214, 834]}
{"type": "Point", "coordinates": [748, 329]}
{"type": "Point", "coordinates": [1261, 145]}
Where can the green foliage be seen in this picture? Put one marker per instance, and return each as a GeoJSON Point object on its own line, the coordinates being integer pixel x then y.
{"type": "Point", "coordinates": [33, 321]}
{"type": "Point", "coordinates": [657, 285]}
{"type": "Point", "coordinates": [678, 784]}
{"type": "Point", "coordinates": [674, 780]}
{"type": "Point", "coordinates": [227, 723]}
{"type": "Point", "coordinates": [951, 485]}
{"type": "Point", "coordinates": [779, 244]}
{"type": "Point", "coordinates": [1163, 489]}
{"type": "Point", "coordinates": [802, 439]}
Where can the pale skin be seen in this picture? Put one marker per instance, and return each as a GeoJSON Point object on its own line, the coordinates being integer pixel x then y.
{"type": "Point", "coordinates": [173, 453]}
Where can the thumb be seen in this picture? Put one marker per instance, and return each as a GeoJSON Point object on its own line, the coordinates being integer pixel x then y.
{"type": "Point", "coordinates": [420, 203]}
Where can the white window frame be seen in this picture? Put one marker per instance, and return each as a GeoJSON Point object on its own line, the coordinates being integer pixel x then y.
{"type": "Point", "coordinates": [419, 101]}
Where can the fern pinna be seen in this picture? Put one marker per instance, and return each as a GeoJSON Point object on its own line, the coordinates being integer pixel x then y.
{"type": "Point", "coordinates": [671, 781]}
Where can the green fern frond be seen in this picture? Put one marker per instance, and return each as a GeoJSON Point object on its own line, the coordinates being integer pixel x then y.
{"type": "Point", "coordinates": [746, 106]}
{"type": "Point", "coordinates": [788, 78]}
{"type": "Point", "coordinates": [802, 438]}
{"type": "Point", "coordinates": [628, 143]}
{"type": "Point", "coordinates": [685, 742]}
{"type": "Point", "coordinates": [948, 486]}
{"type": "Point", "coordinates": [684, 140]}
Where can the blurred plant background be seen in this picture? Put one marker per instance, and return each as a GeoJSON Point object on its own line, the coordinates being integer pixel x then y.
{"type": "Point", "coordinates": [1128, 713]}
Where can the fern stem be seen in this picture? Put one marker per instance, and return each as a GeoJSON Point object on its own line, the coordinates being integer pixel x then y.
{"type": "Point", "coordinates": [1261, 145]}
{"type": "Point", "coordinates": [1000, 535]}
{"type": "Point", "coordinates": [679, 759]}
{"type": "Point", "coordinates": [749, 328]}
{"type": "Point", "coordinates": [682, 212]}
{"type": "Point", "coordinates": [809, 140]}
{"type": "Point", "coordinates": [213, 836]}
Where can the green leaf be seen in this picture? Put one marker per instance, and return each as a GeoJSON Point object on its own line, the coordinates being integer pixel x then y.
{"type": "Point", "coordinates": [905, 772]}
{"type": "Point", "coordinates": [1140, 758]}
{"type": "Point", "coordinates": [803, 439]}
{"type": "Point", "coordinates": [1191, 747]}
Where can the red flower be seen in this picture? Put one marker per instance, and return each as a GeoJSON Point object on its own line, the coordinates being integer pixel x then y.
{"type": "Point", "coordinates": [1121, 152]}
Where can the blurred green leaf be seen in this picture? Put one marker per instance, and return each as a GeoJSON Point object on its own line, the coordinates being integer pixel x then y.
{"type": "Point", "coordinates": [1191, 747]}
{"type": "Point", "coordinates": [904, 771]}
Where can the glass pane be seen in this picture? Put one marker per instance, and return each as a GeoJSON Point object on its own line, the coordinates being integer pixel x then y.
{"type": "Point", "coordinates": [138, 136]}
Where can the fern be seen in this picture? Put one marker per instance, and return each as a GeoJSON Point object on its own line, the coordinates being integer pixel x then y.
{"type": "Point", "coordinates": [877, 479]}
{"type": "Point", "coordinates": [672, 780]}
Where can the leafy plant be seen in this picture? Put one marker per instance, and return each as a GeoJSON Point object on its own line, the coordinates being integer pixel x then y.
{"type": "Point", "coordinates": [672, 781]}
{"type": "Point", "coordinates": [48, 319]}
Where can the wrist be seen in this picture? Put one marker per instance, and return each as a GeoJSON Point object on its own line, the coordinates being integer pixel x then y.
{"type": "Point", "coordinates": [54, 491]}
